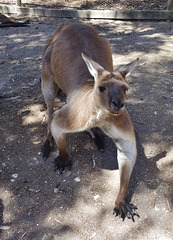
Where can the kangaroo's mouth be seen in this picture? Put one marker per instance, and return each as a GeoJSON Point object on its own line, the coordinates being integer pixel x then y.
{"type": "Point", "coordinates": [115, 108]}
{"type": "Point", "coordinates": [116, 112]}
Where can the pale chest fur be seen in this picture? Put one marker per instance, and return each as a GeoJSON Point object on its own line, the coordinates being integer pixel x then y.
{"type": "Point", "coordinates": [95, 119]}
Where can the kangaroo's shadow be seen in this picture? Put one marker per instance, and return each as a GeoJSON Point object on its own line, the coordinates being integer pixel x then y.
{"type": "Point", "coordinates": [145, 170]}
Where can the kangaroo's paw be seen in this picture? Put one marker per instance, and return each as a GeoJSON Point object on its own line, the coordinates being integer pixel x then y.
{"type": "Point", "coordinates": [124, 210]}
{"type": "Point", "coordinates": [61, 164]}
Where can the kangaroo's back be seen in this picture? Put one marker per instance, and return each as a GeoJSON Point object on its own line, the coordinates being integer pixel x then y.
{"type": "Point", "coordinates": [64, 50]}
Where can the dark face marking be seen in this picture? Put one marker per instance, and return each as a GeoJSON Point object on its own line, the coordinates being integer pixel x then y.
{"type": "Point", "coordinates": [116, 97]}
{"type": "Point", "coordinates": [111, 94]}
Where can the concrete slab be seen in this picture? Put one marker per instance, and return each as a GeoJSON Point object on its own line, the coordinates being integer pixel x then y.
{"type": "Point", "coordinates": [89, 14]}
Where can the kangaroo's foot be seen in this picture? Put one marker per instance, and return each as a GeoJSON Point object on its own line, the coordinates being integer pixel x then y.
{"type": "Point", "coordinates": [61, 164]}
{"type": "Point", "coordinates": [124, 210]}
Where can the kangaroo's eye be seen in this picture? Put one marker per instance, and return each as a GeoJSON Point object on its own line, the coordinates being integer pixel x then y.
{"type": "Point", "coordinates": [102, 89]}
{"type": "Point", "coordinates": [125, 88]}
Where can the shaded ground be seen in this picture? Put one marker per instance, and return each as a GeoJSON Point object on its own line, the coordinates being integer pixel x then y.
{"type": "Point", "coordinates": [31, 207]}
{"type": "Point", "coordinates": [94, 4]}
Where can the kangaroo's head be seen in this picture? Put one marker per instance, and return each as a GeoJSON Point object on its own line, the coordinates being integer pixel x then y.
{"type": "Point", "coordinates": [110, 88]}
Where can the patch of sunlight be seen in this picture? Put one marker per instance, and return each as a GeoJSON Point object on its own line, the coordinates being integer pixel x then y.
{"type": "Point", "coordinates": [53, 218]}
{"type": "Point", "coordinates": [7, 198]}
{"type": "Point", "coordinates": [34, 43]}
{"type": "Point", "coordinates": [167, 47]}
{"type": "Point", "coordinates": [155, 35]}
{"type": "Point", "coordinates": [166, 160]}
{"type": "Point", "coordinates": [18, 40]}
{"type": "Point", "coordinates": [170, 112]}
{"type": "Point", "coordinates": [18, 36]}
{"type": "Point", "coordinates": [152, 149]}
{"type": "Point", "coordinates": [111, 180]}
{"type": "Point", "coordinates": [164, 52]}
{"type": "Point", "coordinates": [88, 203]}
{"type": "Point", "coordinates": [119, 59]}
{"type": "Point", "coordinates": [35, 115]}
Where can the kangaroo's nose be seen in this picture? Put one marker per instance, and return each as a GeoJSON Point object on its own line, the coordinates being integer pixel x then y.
{"type": "Point", "coordinates": [117, 104]}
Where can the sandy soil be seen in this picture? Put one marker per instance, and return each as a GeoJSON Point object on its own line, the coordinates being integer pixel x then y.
{"type": "Point", "coordinates": [31, 207]}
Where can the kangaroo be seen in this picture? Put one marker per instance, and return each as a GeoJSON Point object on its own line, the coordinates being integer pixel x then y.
{"type": "Point", "coordinates": [79, 62]}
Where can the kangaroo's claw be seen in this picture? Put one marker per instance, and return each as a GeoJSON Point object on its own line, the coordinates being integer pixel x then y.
{"type": "Point", "coordinates": [126, 210]}
{"type": "Point", "coordinates": [61, 165]}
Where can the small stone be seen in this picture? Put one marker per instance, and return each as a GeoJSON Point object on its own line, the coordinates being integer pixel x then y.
{"type": "Point", "coordinates": [56, 190]}
{"type": "Point", "coordinates": [156, 208]}
{"type": "Point", "coordinates": [4, 227]}
{"type": "Point", "coordinates": [93, 235]}
{"type": "Point", "coordinates": [15, 175]}
{"type": "Point", "coordinates": [96, 197]}
{"type": "Point", "coordinates": [77, 179]}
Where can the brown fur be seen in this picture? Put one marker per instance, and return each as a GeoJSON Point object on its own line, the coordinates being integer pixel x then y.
{"type": "Point", "coordinates": [95, 95]}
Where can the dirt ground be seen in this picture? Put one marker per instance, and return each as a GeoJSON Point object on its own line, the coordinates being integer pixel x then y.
{"type": "Point", "coordinates": [37, 203]}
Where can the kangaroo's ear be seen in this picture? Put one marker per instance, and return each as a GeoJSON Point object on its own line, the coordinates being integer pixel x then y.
{"type": "Point", "coordinates": [94, 68]}
{"type": "Point", "coordinates": [126, 69]}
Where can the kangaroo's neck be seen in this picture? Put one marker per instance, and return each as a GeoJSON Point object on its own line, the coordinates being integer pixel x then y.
{"type": "Point", "coordinates": [83, 108]}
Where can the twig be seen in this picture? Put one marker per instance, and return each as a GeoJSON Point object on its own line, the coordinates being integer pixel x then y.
{"type": "Point", "coordinates": [23, 236]}
{"type": "Point", "coordinates": [152, 201]}
{"type": "Point", "coordinates": [58, 221]}
{"type": "Point", "coordinates": [169, 206]}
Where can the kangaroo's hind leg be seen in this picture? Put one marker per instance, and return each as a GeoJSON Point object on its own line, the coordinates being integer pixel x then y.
{"type": "Point", "coordinates": [49, 90]}
{"type": "Point", "coordinates": [97, 138]}
{"type": "Point", "coordinates": [59, 128]}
